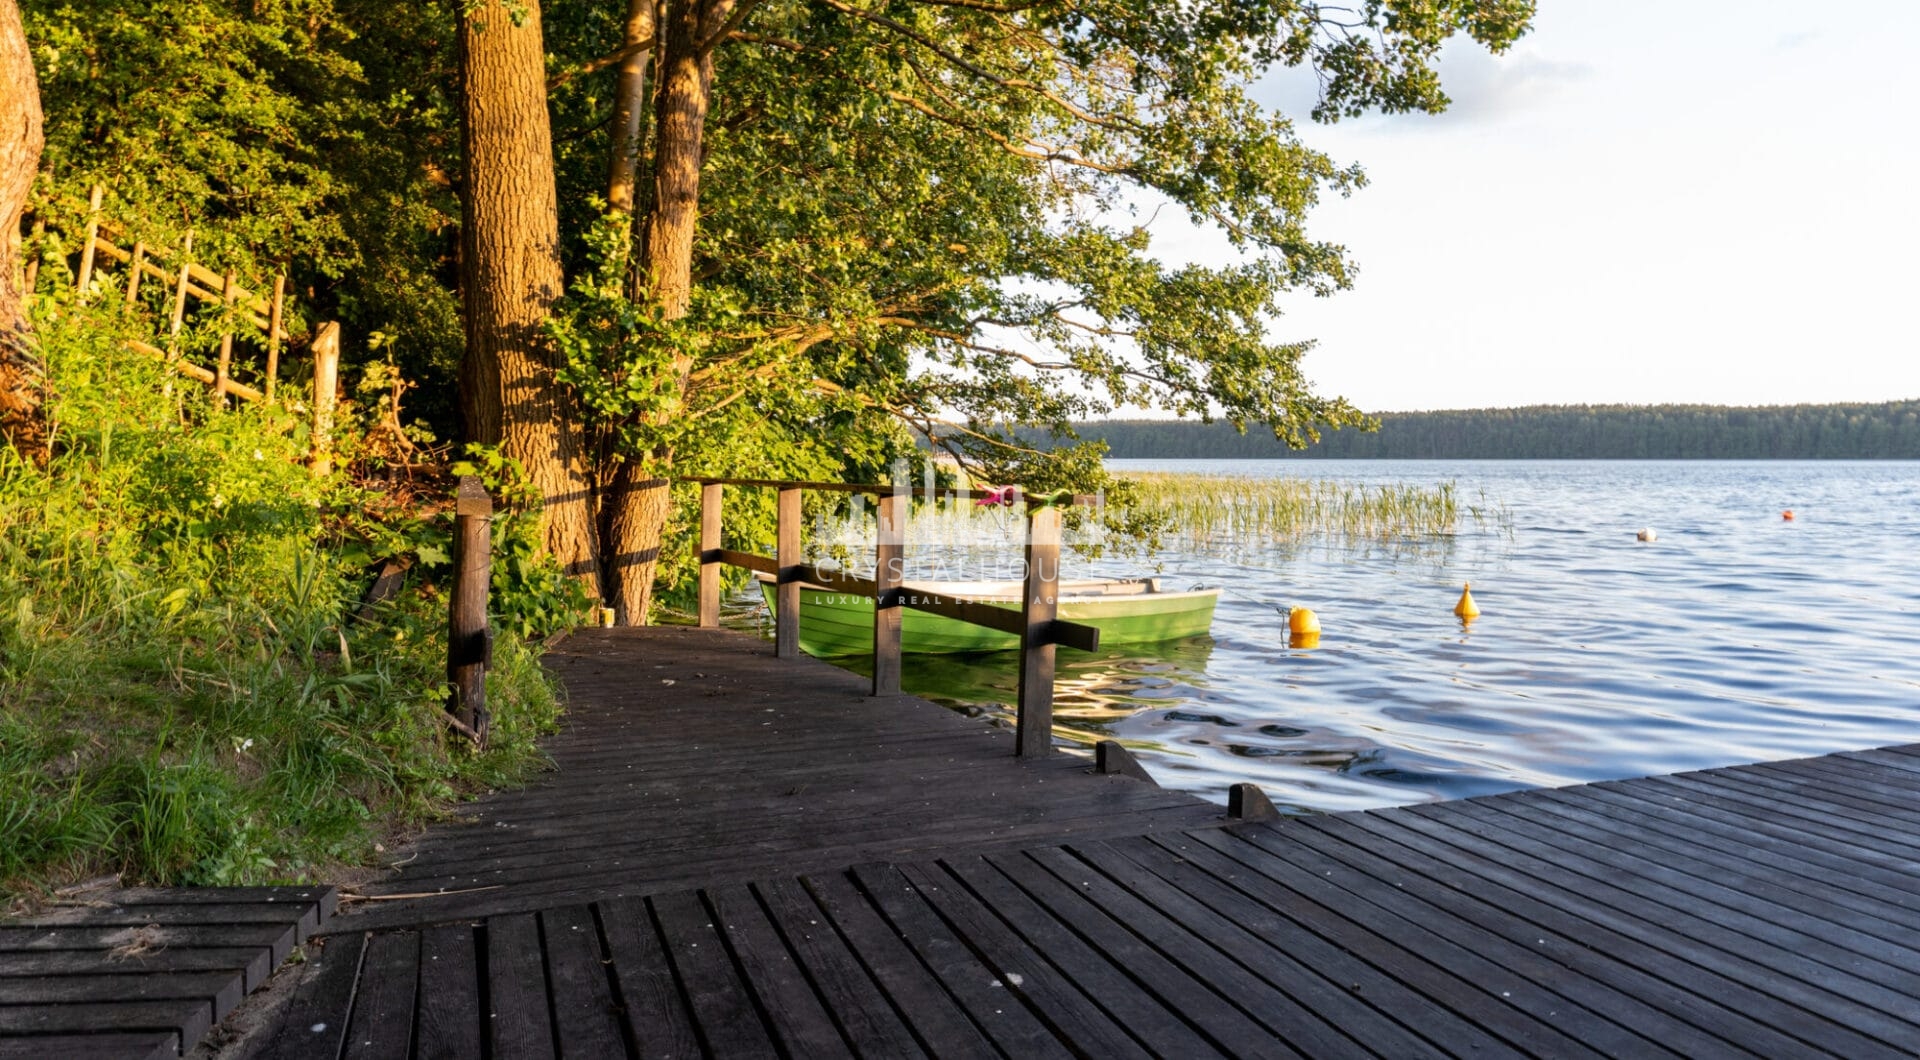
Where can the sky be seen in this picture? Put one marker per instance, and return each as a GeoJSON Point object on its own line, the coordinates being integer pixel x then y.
{"type": "Point", "coordinates": [1641, 202]}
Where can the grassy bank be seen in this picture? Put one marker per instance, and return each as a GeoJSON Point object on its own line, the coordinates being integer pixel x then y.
{"type": "Point", "coordinates": [183, 696]}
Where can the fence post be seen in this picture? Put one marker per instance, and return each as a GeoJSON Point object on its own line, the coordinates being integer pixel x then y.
{"type": "Point", "coordinates": [889, 562]}
{"type": "Point", "coordinates": [180, 295]}
{"type": "Point", "coordinates": [469, 640]}
{"type": "Point", "coordinates": [93, 233]}
{"type": "Point", "coordinates": [711, 497]}
{"type": "Point", "coordinates": [229, 290]}
{"type": "Point", "coordinates": [326, 377]}
{"type": "Point", "coordinates": [786, 621]}
{"type": "Point", "coordinates": [32, 253]}
{"type": "Point", "coordinates": [1041, 605]}
{"type": "Point", "coordinates": [273, 334]}
{"type": "Point", "coordinates": [134, 267]}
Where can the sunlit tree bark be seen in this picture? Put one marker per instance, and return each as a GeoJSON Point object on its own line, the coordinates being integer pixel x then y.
{"type": "Point", "coordinates": [636, 499]}
{"type": "Point", "coordinates": [510, 268]}
{"type": "Point", "coordinates": [21, 138]}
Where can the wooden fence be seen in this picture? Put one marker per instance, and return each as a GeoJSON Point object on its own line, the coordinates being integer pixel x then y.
{"type": "Point", "coordinates": [259, 310]}
{"type": "Point", "coordinates": [1036, 622]}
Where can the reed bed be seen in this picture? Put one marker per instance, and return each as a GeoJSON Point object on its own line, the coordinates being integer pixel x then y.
{"type": "Point", "coordinates": [947, 538]}
{"type": "Point", "coordinates": [1242, 509]}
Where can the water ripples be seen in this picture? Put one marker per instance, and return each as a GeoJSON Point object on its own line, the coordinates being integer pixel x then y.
{"type": "Point", "coordinates": [1735, 637]}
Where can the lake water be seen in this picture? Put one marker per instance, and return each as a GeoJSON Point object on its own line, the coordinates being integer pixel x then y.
{"type": "Point", "coordinates": [1737, 636]}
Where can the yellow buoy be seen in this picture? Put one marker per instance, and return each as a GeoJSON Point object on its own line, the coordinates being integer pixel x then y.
{"type": "Point", "coordinates": [1303, 640]}
{"type": "Point", "coordinates": [1302, 620]}
{"type": "Point", "coordinates": [1466, 608]}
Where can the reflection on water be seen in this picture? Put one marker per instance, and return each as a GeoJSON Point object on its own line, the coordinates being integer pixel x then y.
{"type": "Point", "coordinates": [1736, 637]}
{"type": "Point", "coordinates": [1093, 694]}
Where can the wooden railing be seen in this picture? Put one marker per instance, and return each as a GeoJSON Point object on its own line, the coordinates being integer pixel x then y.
{"type": "Point", "coordinates": [252, 309]}
{"type": "Point", "coordinates": [1036, 623]}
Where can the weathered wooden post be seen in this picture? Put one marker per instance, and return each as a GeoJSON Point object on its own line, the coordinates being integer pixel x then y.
{"type": "Point", "coordinates": [326, 378]}
{"type": "Point", "coordinates": [711, 497]}
{"type": "Point", "coordinates": [469, 640]}
{"type": "Point", "coordinates": [229, 290]}
{"type": "Point", "coordinates": [93, 233]}
{"type": "Point", "coordinates": [274, 311]}
{"type": "Point", "coordinates": [889, 567]}
{"type": "Point", "coordinates": [134, 268]}
{"type": "Point", "coordinates": [180, 295]}
{"type": "Point", "coordinates": [786, 619]}
{"type": "Point", "coordinates": [32, 253]}
{"type": "Point", "coordinates": [1034, 736]}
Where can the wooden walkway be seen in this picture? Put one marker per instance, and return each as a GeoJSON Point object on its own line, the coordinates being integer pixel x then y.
{"type": "Point", "coordinates": [693, 755]}
{"type": "Point", "coordinates": [747, 858]}
{"type": "Point", "coordinates": [143, 973]}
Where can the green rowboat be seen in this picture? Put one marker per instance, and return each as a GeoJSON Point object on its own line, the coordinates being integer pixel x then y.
{"type": "Point", "coordinates": [1127, 612]}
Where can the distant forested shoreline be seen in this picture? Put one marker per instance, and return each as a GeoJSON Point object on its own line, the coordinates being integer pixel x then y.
{"type": "Point", "coordinates": [1885, 431]}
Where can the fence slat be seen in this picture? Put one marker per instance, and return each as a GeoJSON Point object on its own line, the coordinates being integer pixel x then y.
{"type": "Point", "coordinates": [225, 369]}
{"type": "Point", "coordinates": [180, 296]}
{"type": "Point", "coordinates": [274, 313]}
{"type": "Point", "coordinates": [33, 253]}
{"type": "Point", "coordinates": [133, 273]}
{"type": "Point", "coordinates": [326, 376]}
{"type": "Point", "coordinates": [93, 233]}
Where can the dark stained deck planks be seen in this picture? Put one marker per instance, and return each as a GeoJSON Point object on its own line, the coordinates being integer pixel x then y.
{"type": "Point", "coordinates": [1454, 929]}
{"type": "Point", "coordinates": [143, 972]}
{"type": "Point", "coordinates": [740, 856]}
{"type": "Point", "coordinates": [694, 756]}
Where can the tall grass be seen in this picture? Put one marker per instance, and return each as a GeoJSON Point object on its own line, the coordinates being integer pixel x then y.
{"type": "Point", "coordinates": [1208, 508]}
{"type": "Point", "coordinates": [957, 539]}
{"type": "Point", "coordinates": [183, 697]}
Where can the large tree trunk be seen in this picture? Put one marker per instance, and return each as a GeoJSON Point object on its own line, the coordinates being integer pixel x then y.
{"type": "Point", "coordinates": [21, 137]}
{"type": "Point", "coordinates": [510, 266]}
{"type": "Point", "coordinates": [635, 516]}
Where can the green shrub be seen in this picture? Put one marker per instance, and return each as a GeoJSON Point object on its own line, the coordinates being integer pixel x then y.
{"type": "Point", "coordinates": [185, 695]}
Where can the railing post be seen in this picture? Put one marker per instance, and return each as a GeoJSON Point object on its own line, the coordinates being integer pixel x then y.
{"type": "Point", "coordinates": [889, 562]}
{"type": "Point", "coordinates": [710, 500]}
{"type": "Point", "coordinates": [326, 378]}
{"type": "Point", "coordinates": [1034, 735]}
{"type": "Point", "coordinates": [469, 640]}
{"type": "Point", "coordinates": [786, 623]}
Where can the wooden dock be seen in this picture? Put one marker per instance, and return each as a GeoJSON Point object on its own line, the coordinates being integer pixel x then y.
{"type": "Point", "coordinates": [739, 855]}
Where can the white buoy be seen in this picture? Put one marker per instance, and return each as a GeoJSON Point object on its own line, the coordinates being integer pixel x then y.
{"type": "Point", "coordinates": [1647, 534]}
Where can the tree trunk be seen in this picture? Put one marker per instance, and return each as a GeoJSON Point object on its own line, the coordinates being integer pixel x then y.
{"type": "Point", "coordinates": [510, 265]}
{"type": "Point", "coordinates": [680, 128]}
{"type": "Point", "coordinates": [629, 107]}
{"type": "Point", "coordinates": [21, 137]}
{"type": "Point", "coordinates": [636, 516]}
